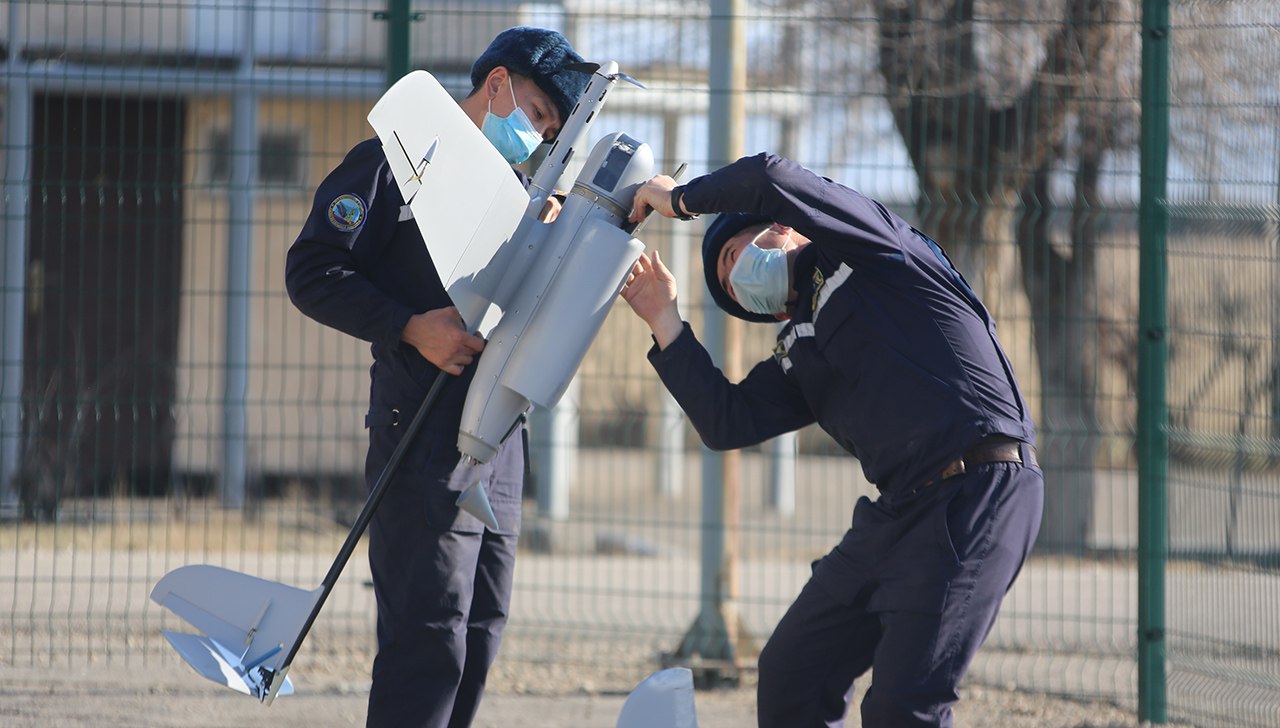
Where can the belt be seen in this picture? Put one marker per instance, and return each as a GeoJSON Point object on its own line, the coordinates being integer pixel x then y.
{"type": "Point", "coordinates": [990, 450]}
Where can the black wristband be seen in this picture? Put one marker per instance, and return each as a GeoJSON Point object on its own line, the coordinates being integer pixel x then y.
{"type": "Point", "coordinates": [677, 195]}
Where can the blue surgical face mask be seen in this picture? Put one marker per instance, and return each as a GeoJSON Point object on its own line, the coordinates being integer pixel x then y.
{"type": "Point", "coordinates": [513, 136]}
{"type": "Point", "coordinates": [760, 279]}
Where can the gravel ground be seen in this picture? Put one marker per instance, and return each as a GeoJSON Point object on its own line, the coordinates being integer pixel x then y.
{"type": "Point", "coordinates": [76, 595]}
{"type": "Point", "coordinates": [31, 698]}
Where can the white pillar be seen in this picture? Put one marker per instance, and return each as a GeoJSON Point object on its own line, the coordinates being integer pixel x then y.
{"type": "Point", "coordinates": [671, 437]}
{"type": "Point", "coordinates": [554, 456]}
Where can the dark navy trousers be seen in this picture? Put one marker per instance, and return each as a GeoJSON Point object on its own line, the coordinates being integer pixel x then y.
{"type": "Point", "coordinates": [910, 593]}
{"type": "Point", "coordinates": [442, 580]}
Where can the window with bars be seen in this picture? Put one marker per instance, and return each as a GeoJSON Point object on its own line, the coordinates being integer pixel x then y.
{"type": "Point", "coordinates": [279, 158]}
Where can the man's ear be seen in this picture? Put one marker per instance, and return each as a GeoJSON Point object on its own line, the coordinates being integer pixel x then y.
{"type": "Point", "coordinates": [494, 81]}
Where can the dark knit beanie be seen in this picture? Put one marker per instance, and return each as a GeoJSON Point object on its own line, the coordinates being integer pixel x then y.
{"type": "Point", "coordinates": [538, 54]}
{"type": "Point", "coordinates": [726, 226]}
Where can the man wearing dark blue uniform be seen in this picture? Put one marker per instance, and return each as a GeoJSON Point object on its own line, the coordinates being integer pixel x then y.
{"type": "Point", "coordinates": [441, 578]}
{"type": "Point", "coordinates": [887, 348]}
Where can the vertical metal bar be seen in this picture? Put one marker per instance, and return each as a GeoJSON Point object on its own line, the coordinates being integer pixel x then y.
{"type": "Point", "coordinates": [671, 456]}
{"type": "Point", "coordinates": [242, 144]}
{"type": "Point", "coordinates": [1273, 228]}
{"type": "Point", "coordinates": [398, 18]}
{"type": "Point", "coordinates": [782, 473]}
{"type": "Point", "coordinates": [712, 643]}
{"type": "Point", "coordinates": [783, 448]}
{"type": "Point", "coordinates": [726, 127]}
{"type": "Point", "coordinates": [1153, 353]}
{"type": "Point", "coordinates": [17, 181]}
{"type": "Point", "coordinates": [556, 454]}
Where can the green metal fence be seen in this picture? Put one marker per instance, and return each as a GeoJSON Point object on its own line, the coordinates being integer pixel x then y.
{"type": "Point", "coordinates": [1223, 373]}
{"type": "Point", "coordinates": [1106, 172]}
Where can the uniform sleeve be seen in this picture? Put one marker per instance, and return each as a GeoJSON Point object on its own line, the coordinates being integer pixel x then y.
{"type": "Point", "coordinates": [352, 219]}
{"type": "Point", "coordinates": [824, 211]}
{"type": "Point", "coordinates": [765, 404]}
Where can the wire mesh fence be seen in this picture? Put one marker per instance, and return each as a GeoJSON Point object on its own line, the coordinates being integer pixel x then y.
{"type": "Point", "coordinates": [164, 403]}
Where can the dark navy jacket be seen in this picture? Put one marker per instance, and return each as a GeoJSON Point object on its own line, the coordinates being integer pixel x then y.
{"type": "Point", "coordinates": [367, 276]}
{"type": "Point", "coordinates": [889, 350]}
{"type": "Point", "coordinates": [360, 266]}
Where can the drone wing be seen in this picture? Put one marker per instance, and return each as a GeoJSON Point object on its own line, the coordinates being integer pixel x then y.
{"type": "Point", "coordinates": [463, 195]}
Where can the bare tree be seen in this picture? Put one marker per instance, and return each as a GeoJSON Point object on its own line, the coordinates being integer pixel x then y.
{"type": "Point", "coordinates": [997, 102]}
{"type": "Point", "coordinates": [1015, 116]}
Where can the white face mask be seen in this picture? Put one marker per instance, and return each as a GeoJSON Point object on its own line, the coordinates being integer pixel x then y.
{"type": "Point", "coordinates": [514, 136]}
{"type": "Point", "coordinates": [760, 278]}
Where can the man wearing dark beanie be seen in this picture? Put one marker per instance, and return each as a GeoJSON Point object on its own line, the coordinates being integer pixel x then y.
{"type": "Point", "coordinates": [442, 579]}
{"type": "Point", "coordinates": [888, 349]}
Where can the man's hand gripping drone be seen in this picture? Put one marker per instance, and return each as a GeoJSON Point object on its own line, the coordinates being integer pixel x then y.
{"type": "Point", "coordinates": [538, 291]}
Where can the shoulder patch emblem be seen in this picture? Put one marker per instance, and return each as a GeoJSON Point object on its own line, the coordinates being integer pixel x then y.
{"type": "Point", "coordinates": [818, 282]}
{"type": "Point", "coordinates": [347, 213]}
{"type": "Point", "coordinates": [779, 349]}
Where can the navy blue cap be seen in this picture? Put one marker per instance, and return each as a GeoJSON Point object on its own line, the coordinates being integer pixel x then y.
{"type": "Point", "coordinates": [726, 226]}
{"type": "Point", "coordinates": [538, 54]}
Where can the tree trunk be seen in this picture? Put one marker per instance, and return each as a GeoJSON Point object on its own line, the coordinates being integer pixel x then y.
{"type": "Point", "coordinates": [1063, 294]}
{"type": "Point", "coordinates": [972, 145]}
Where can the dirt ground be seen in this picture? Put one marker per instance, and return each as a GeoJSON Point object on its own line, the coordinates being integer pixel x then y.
{"type": "Point", "coordinates": [75, 595]}
{"type": "Point", "coordinates": [39, 698]}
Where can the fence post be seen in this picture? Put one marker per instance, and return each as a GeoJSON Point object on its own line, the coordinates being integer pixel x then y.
{"type": "Point", "coordinates": [554, 456]}
{"type": "Point", "coordinates": [242, 144]}
{"type": "Point", "coordinates": [718, 642]}
{"type": "Point", "coordinates": [17, 182]}
{"type": "Point", "coordinates": [398, 18]}
{"type": "Point", "coordinates": [671, 435]}
{"type": "Point", "coordinates": [1273, 233]}
{"type": "Point", "coordinates": [1153, 353]}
